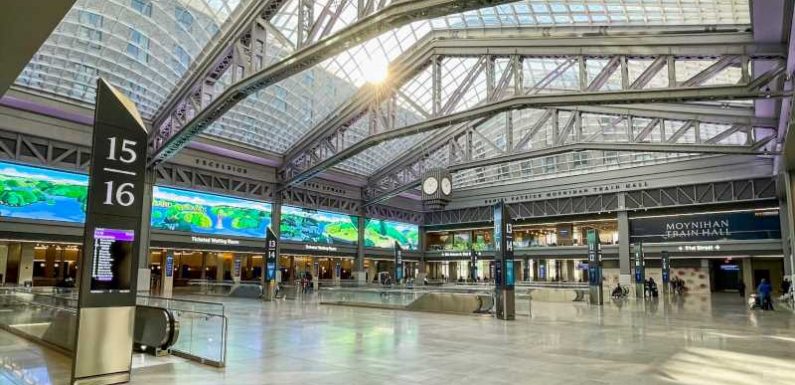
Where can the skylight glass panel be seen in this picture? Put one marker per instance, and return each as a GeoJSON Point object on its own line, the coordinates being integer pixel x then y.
{"type": "Point", "coordinates": [131, 43]}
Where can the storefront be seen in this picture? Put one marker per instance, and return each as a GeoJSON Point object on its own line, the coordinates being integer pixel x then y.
{"type": "Point", "coordinates": [714, 251]}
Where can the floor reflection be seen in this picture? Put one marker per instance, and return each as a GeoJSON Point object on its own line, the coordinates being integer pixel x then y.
{"type": "Point", "coordinates": [691, 340]}
{"type": "Point", "coordinates": [700, 366]}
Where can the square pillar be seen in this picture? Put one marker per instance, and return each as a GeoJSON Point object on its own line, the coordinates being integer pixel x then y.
{"type": "Point", "coordinates": [624, 263]}
{"type": "Point", "coordinates": [3, 262]}
{"type": "Point", "coordinates": [358, 265]}
{"type": "Point", "coordinates": [26, 263]}
{"type": "Point", "coordinates": [787, 217]}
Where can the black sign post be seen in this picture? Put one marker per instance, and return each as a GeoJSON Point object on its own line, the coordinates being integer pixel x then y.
{"type": "Point", "coordinates": [269, 264]}
{"type": "Point", "coordinates": [503, 263]}
{"type": "Point", "coordinates": [398, 263]}
{"type": "Point", "coordinates": [595, 267]}
{"type": "Point", "coordinates": [640, 271]}
{"type": "Point", "coordinates": [473, 266]}
{"type": "Point", "coordinates": [665, 260]}
{"type": "Point", "coordinates": [109, 268]}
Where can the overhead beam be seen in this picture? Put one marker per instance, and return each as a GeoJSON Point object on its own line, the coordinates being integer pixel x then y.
{"type": "Point", "coordinates": [216, 52]}
{"type": "Point", "coordinates": [563, 149]}
{"type": "Point", "coordinates": [539, 101]}
{"type": "Point", "coordinates": [24, 27]}
{"type": "Point", "coordinates": [532, 42]}
{"type": "Point", "coordinates": [392, 16]}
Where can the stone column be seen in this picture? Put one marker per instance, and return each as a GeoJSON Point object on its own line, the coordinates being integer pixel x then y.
{"type": "Point", "coordinates": [237, 268]}
{"type": "Point", "coordinates": [144, 274]}
{"type": "Point", "coordinates": [204, 265]}
{"type": "Point", "coordinates": [220, 267]}
{"type": "Point", "coordinates": [12, 262]}
{"type": "Point", "coordinates": [50, 255]}
{"type": "Point", "coordinates": [624, 263]}
{"type": "Point", "coordinates": [3, 262]}
{"type": "Point", "coordinates": [748, 276]}
{"type": "Point", "coordinates": [452, 269]}
{"type": "Point", "coordinates": [358, 265]}
{"type": "Point", "coordinates": [26, 263]}
{"type": "Point", "coordinates": [526, 269]}
{"type": "Point", "coordinates": [787, 216]}
{"type": "Point", "coordinates": [569, 270]}
{"type": "Point", "coordinates": [61, 270]}
{"type": "Point", "coordinates": [423, 244]}
{"type": "Point", "coordinates": [292, 272]}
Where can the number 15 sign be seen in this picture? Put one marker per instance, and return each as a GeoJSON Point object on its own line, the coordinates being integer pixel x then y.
{"type": "Point", "coordinates": [118, 167]}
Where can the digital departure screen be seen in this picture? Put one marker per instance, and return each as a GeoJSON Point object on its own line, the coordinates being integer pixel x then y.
{"type": "Point", "coordinates": [509, 276]}
{"type": "Point", "coordinates": [111, 265]}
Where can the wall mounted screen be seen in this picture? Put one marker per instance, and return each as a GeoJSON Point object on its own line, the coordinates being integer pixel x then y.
{"type": "Point", "coordinates": [384, 234]}
{"type": "Point", "coordinates": [195, 212]}
{"type": "Point", "coordinates": [312, 226]}
{"type": "Point", "coordinates": [42, 194]}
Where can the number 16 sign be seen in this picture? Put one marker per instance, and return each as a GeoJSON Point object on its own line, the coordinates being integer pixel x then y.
{"type": "Point", "coordinates": [118, 167]}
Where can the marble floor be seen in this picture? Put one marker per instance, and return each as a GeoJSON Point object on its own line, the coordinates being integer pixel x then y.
{"type": "Point", "coordinates": [696, 341]}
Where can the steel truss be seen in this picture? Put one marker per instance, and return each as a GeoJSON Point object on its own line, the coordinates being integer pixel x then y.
{"type": "Point", "coordinates": [663, 129]}
{"type": "Point", "coordinates": [242, 45]}
{"type": "Point", "coordinates": [190, 112]}
{"type": "Point", "coordinates": [737, 191]}
{"type": "Point", "coordinates": [314, 156]}
{"type": "Point", "coordinates": [47, 152]}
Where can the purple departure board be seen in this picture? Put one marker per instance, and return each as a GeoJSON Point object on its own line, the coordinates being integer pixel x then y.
{"type": "Point", "coordinates": [112, 264]}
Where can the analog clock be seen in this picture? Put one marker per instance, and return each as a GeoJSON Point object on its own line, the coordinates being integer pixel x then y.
{"type": "Point", "coordinates": [447, 186]}
{"type": "Point", "coordinates": [430, 185]}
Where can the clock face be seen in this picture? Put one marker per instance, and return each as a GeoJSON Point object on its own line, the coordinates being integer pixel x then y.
{"type": "Point", "coordinates": [447, 186]}
{"type": "Point", "coordinates": [430, 185]}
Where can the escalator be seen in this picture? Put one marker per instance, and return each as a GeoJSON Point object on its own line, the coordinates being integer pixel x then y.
{"type": "Point", "coordinates": [51, 319]}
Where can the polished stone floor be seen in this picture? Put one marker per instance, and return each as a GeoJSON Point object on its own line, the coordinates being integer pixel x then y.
{"type": "Point", "coordinates": [695, 341]}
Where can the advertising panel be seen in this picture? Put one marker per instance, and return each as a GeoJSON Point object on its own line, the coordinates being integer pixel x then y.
{"type": "Point", "coordinates": [203, 213]}
{"type": "Point", "coordinates": [42, 194]}
{"type": "Point", "coordinates": [313, 226]}
{"type": "Point", "coordinates": [737, 225]}
{"type": "Point", "coordinates": [383, 234]}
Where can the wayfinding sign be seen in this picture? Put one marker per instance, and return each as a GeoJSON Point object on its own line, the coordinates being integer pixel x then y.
{"type": "Point", "coordinates": [398, 263]}
{"type": "Point", "coordinates": [503, 263]}
{"type": "Point", "coordinates": [108, 269]}
{"type": "Point", "coordinates": [271, 255]}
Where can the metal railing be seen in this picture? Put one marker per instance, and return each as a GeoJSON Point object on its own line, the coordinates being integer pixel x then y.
{"type": "Point", "coordinates": [203, 328]}
{"type": "Point", "coordinates": [49, 316]}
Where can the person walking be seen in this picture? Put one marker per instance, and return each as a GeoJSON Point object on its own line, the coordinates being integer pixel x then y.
{"type": "Point", "coordinates": [741, 288]}
{"type": "Point", "coordinates": [764, 291]}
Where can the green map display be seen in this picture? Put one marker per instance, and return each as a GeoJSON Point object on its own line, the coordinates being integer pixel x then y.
{"type": "Point", "coordinates": [195, 212]}
{"type": "Point", "coordinates": [384, 234]}
{"type": "Point", "coordinates": [42, 194]}
{"type": "Point", "coordinates": [312, 226]}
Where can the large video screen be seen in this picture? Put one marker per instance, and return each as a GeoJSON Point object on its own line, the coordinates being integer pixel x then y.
{"type": "Point", "coordinates": [382, 233]}
{"type": "Point", "coordinates": [312, 226]}
{"type": "Point", "coordinates": [195, 212]}
{"type": "Point", "coordinates": [42, 194]}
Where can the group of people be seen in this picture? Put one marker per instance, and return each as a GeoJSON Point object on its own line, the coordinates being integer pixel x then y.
{"type": "Point", "coordinates": [678, 285]}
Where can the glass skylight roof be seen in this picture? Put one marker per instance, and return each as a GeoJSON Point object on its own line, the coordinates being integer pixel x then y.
{"type": "Point", "coordinates": [146, 46]}
{"type": "Point", "coordinates": [143, 47]}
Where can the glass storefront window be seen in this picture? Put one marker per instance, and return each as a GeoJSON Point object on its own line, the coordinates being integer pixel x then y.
{"type": "Point", "coordinates": [482, 240]}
